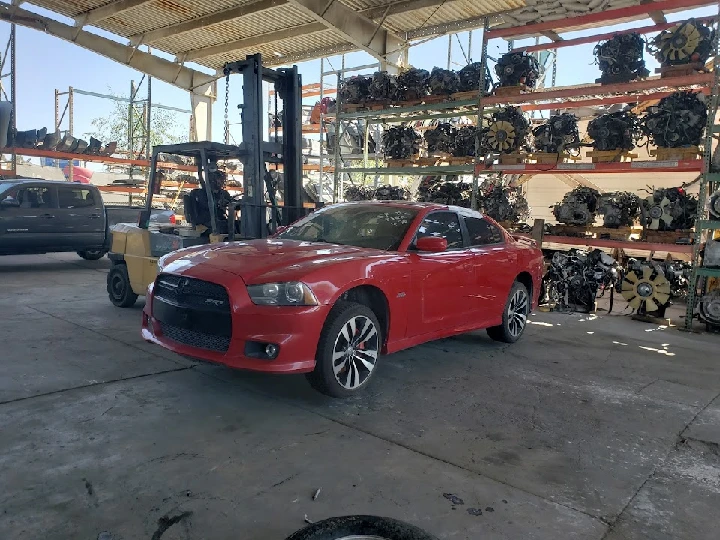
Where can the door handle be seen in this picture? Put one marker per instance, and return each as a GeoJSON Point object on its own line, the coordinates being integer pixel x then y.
{"type": "Point", "coordinates": [47, 216]}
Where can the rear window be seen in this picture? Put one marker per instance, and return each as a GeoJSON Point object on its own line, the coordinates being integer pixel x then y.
{"type": "Point", "coordinates": [75, 198]}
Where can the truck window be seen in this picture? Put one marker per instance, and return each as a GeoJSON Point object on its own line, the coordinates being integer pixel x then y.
{"type": "Point", "coordinates": [75, 197]}
{"type": "Point", "coordinates": [32, 197]}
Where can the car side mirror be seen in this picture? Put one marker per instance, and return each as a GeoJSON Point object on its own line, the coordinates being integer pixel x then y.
{"type": "Point", "coordinates": [10, 203]}
{"type": "Point", "coordinates": [433, 244]}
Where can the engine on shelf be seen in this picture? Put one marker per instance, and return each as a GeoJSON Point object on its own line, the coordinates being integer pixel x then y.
{"type": "Point", "coordinates": [559, 134]}
{"type": "Point", "coordinates": [620, 58]}
{"type": "Point", "coordinates": [574, 279]}
{"type": "Point", "coordinates": [578, 207]}
{"type": "Point", "coordinates": [669, 209]}
{"type": "Point", "coordinates": [384, 87]}
{"type": "Point", "coordinates": [714, 205]}
{"type": "Point", "coordinates": [688, 42]}
{"type": "Point", "coordinates": [507, 131]}
{"type": "Point", "coordinates": [619, 209]}
{"type": "Point", "coordinates": [465, 140]}
{"type": "Point", "coordinates": [413, 83]}
{"type": "Point", "coordinates": [440, 139]}
{"type": "Point", "coordinates": [677, 121]}
{"type": "Point", "coordinates": [502, 202]}
{"type": "Point", "coordinates": [449, 190]}
{"type": "Point", "coordinates": [443, 82]}
{"type": "Point", "coordinates": [614, 131]}
{"type": "Point", "coordinates": [391, 193]}
{"type": "Point", "coordinates": [355, 89]}
{"type": "Point", "coordinates": [400, 142]}
{"type": "Point", "coordinates": [471, 77]}
{"type": "Point", "coordinates": [709, 307]}
{"type": "Point", "coordinates": [516, 68]}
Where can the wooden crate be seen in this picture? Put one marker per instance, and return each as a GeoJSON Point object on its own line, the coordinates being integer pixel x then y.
{"type": "Point", "coordinates": [353, 107]}
{"type": "Point", "coordinates": [410, 162]}
{"type": "Point", "coordinates": [513, 159]}
{"type": "Point", "coordinates": [504, 91]}
{"type": "Point", "coordinates": [427, 161]}
{"type": "Point", "coordinates": [681, 70]}
{"type": "Point", "coordinates": [592, 232]}
{"type": "Point", "coordinates": [669, 237]}
{"type": "Point", "coordinates": [462, 96]}
{"type": "Point", "coordinates": [610, 156]}
{"type": "Point", "coordinates": [672, 154]}
{"type": "Point", "coordinates": [551, 159]}
{"type": "Point", "coordinates": [611, 233]}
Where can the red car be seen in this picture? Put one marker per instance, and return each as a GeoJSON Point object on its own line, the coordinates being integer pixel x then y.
{"type": "Point", "coordinates": [338, 288]}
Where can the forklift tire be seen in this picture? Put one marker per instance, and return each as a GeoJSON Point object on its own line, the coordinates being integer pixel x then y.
{"type": "Point", "coordinates": [92, 254]}
{"type": "Point", "coordinates": [119, 288]}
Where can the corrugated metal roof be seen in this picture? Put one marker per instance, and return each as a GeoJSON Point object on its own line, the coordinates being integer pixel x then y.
{"type": "Point", "coordinates": [409, 19]}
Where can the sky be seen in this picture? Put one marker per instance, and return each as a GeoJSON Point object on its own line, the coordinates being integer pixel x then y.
{"type": "Point", "coordinates": [45, 63]}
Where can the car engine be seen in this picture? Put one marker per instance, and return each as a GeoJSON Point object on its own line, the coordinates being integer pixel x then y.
{"type": "Point", "coordinates": [384, 87]}
{"type": "Point", "coordinates": [558, 134]}
{"type": "Point", "coordinates": [464, 141]}
{"type": "Point", "coordinates": [677, 121]}
{"type": "Point", "coordinates": [448, 191]}
{"type": "Point", "coordinates": [619, 209]}
{"type": "Point", "coordinates": [400, 142]}
{"type": "Point", "coordinates": [440, 139]}
{"type": "Point", "coordinates": [443, 82]}
{"type": "Point", "coordinates": [714, 205]}
{"type": "Point", "coordinates": [578, 207]}
{"type": "Point", "coordinates": [354, 89]}
{"type": "Point", "coordinates": [471, 76]}
{"type": "Point", "coordinates": [506, 132]}
{"type": "Point", "coordinates": [669, 209]}
{"type": "Point", "coordinates": [515, 68]}
{"type": "Point", "coordinates": [614, 131]}
{"type": "Point", "coordinates": [690, 41]}
{"type": "Point", "coordinates": [620, 58]}
{"type": "Point", "coordinates": [502, 202]}
{"type": "Point", "coordinates": [413, 83]}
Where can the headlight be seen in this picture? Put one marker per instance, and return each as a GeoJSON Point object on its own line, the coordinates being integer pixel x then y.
{"type": "Point", "coordinates": [292, 293]}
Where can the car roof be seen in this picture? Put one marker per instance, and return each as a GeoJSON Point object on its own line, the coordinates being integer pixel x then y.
{"type": "Point", "coordinates": [420, 205]}
{"type": "Point", "coordinates": [17, 181]}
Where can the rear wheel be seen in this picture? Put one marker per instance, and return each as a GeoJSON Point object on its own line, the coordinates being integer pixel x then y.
{"type": "Point", "coordinates": [119, 288]}
{"type": "Point", "coordinates": [92, 254]}
{"type": "Point", "coordinates": [360, 528]}
{"type": "Point", "coordinates": [348, 350]}
{"type": "Point", "coordinates": [517, 309]}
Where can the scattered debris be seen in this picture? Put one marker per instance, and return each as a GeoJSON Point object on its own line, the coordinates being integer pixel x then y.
{"type": "Point", "coordinates": [504, 501]}
{"type": "Point", "coordinates": [307, 519]}
{"type": "Point", "coordinates": [474, 511]}
{"type": "Point", "coordinates": [317, 494]}
{"type": "Point", "coordinates": [453, 498]}
{"type": "Point", "coordinates": [489, 509]}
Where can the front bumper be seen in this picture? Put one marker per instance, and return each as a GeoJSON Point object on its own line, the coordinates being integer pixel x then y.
{"type": "Point", "coordinates": [295, 330]}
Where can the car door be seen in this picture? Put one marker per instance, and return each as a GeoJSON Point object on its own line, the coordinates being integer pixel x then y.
{"type": "Point", "coordinates": [443, 282]}
{"type": "Point", "coordinates": [29, 226]}
{"type": "Point", "coordinates": [80, 217]}
{"type": "Point", "coordinates": [494, 266]}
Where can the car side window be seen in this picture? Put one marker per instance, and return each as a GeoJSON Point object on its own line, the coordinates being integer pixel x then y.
{"type": "Point", "coordinates": [482, 232]}
{"type": "Point", "coordinates": [34, 197]}
{"type": "Point", "coordinates": [442, 224]}
{"type": "Point", "coordinates": [75, 198]}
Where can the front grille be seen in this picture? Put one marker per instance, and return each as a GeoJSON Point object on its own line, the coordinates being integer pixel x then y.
{"type": "Point", "coordinates": [193, 338]}
{"type": "Point", "coordinates": [192, 292]}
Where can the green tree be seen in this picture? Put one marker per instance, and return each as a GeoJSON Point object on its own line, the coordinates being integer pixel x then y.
{"type": "Point", "coordinates": [165, 126]}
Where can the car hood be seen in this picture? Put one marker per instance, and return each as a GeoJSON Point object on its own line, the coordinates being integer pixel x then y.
{"type": "Point", "coordinates": [262, 260]}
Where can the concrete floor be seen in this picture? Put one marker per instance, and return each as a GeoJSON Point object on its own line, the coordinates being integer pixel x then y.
{"type": "Point", "coordinates": [591, 427]}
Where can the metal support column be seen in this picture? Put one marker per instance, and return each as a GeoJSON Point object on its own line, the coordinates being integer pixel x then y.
{"type": "Point", "coordinates": [478, 142]}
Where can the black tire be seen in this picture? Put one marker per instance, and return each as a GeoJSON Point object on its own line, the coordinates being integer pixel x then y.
{"type": "Point", "coordinates": [92, 254]}
{"type": "Point", "coordinates": [359, 526]}
{"type": "Point", "coordinates": [356, 365]}
{"type": "Point", "coordinates": [119, 288]}
{"type": "Point", "coordinates": [515, 316]}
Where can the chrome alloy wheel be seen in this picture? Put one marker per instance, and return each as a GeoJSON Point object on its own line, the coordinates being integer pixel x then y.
{"type": "Point", "coordinates": [517, 313]}
{"type": "Point", "coordinates": [355, 353]}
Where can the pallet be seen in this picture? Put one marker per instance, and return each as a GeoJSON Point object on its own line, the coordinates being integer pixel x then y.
{"type": "Point", "coordinates": [513, 159]}
{"type": "Point", "coordinates": [592, 232]}
{"type": "Point", "coordinates": [551, 159]}
{"type": "Point", "coordinates": [410, 162]}
{"type": "Point", "coordinates": [610, 156]}
{"type": "Point", "coordinates": [669, 237]}
{"type": "Point", "coordinates": [681, 70]}
{"type": "Point", "coordinates": [673, 154]}
{"type": "Point", "coordinates": [463, 96]}
{"type": "Point", "coordinates": [504, 91]}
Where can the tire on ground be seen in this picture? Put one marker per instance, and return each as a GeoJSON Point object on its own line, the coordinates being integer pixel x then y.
{"type": "Point", "coordinates": [119, 288]}
{"type": "Point", "coordinates": [92, 254]}
{"type": "Point", "coordinates": [370, 526]}
{"type": "Point", "coordinates": [503, 332]}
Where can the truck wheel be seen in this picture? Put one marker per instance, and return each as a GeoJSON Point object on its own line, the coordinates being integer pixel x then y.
{"type": "Point", "coordinates": [118, 287]}
{"type": "Point", "coordinates": [360, 527]}
{"type": "Point", "coordinates": [348, 350]}
{"type": "Point", "coordinates": [92, 254]}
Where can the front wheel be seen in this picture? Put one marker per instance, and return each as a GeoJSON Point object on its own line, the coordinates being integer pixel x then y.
{"type": "Point", "coordinates": [360, 528]}
{"type": "Point", "coordinates": [92, 254]}
{"type": "Point", "coordinates": [348, 350]}
{"type": "Point", "coordinates": [119, 288]}
{"type": "Point", "coordinates": [515, 314]}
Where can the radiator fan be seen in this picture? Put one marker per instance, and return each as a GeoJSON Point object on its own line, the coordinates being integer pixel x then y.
{"type": "Point", "coordinates": [559, 133]}
{"type": "Point", "coordinates": [687, 42]}
{"type": "Point", "coordinates": [507, 131]}
{"type": "Point", "coordinates": [614, 131]}
{"type": "Point", "coordinates": [677, 121]}
{"type": "Point", "coordinates": [515, 68]}
{"type": "Point", "coordinates": [645, 289]}
{"type": "Point", "coordinates": [620, 58]}
{"type": "Point", "coordinates": [669, 209]}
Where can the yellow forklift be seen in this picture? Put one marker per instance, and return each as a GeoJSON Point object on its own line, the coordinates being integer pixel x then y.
{"type": "Point", "coordinates": [211, 213]}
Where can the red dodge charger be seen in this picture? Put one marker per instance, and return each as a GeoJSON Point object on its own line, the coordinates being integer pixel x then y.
{"type": "Point", "coordinates": [338, 288]}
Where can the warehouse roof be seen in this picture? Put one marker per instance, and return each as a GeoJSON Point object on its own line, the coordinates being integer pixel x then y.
{"type": "Point", "coordinates": [212, 32]}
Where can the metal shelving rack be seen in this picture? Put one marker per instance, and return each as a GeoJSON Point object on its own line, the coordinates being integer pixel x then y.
{"type": "Point", "coordinates": [8, 167]}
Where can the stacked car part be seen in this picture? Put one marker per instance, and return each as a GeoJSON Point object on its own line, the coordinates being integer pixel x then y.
{"type": "Point", "coordinates": [677, 121]}
{"type": "Point", "coordinates": [620, 58]}
{"type": "Point", "coordinates": [516, 68]}
{"type": "Point", "coordinates": [669, 209]}
{"type": "Point", "coordinates": [578, 207]}
{"type": "Point", "coordinates": [619, 209]}
{"type": "Point", "coordinates": [689, 41]}
{"type": "Point", "coordinates": [400, 142]}
{"type": "Point", "coordinates": [507, 131]}
{"type": "Point", "coordinates": [614, 131]}
{"type": "Point", "coordinates": [559, 134]}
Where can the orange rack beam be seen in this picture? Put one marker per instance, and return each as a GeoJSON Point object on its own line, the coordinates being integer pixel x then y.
{"type": "Point", "coordinates": [689, 165]}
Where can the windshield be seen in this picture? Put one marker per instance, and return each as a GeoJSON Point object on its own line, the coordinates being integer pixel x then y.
{"type": "Point", "coordinates": [363, 225]}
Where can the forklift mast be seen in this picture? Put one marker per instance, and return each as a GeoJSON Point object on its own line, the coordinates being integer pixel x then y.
{"type": "Point", "coordinates": [257, 153]}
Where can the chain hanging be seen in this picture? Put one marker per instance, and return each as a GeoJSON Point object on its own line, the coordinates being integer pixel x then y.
{"type": "Point", "coordinates": [227, 101]}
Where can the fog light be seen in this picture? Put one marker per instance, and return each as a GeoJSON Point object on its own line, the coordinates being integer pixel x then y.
{"type": "Point", "coordinates": [271, 350]}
